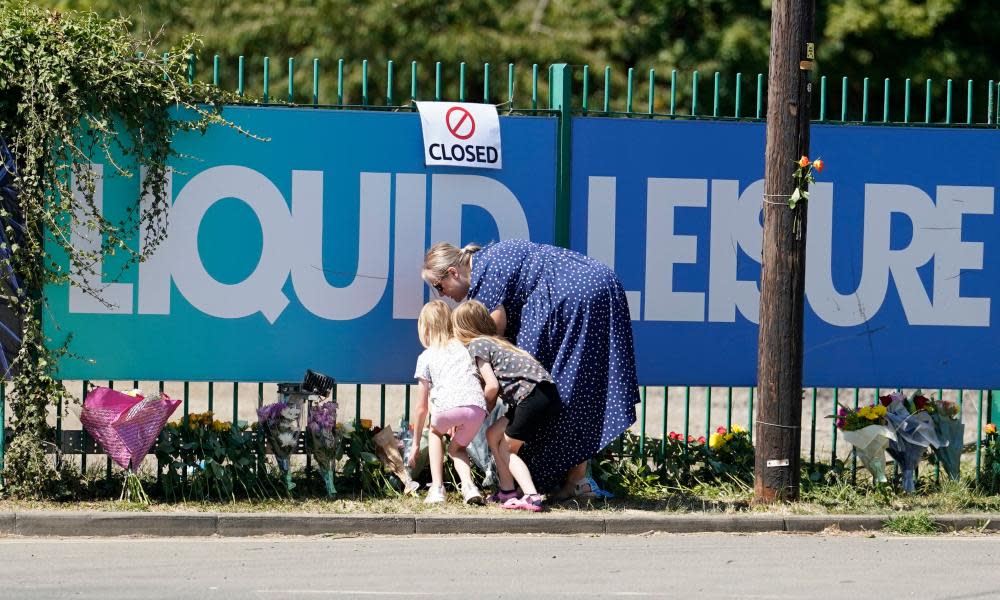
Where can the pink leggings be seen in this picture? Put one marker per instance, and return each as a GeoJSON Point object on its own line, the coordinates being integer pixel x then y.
{"type": "Point", "coordinates": [465, 419]}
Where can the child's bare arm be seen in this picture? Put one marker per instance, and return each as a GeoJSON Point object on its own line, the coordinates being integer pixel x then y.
{"type": "Point", "coordinates": [500, 319]}
{"type": "Point", "coordinates": [422, 408]}
{"type": "Point", "coordinates": [491, 387]}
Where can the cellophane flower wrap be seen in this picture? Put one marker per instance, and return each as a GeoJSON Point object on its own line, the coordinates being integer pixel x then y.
{"type": "Point", "coordinates": [915, 432]}
{"type": "Point", "coordinates": [280, 425]}
{"type": "Point", "coordinates": [322, 428]}
{"type": "Point", "coordinates": [947, 419]}
{"type": "Point", "coordinates": [126, 426]}
{"type": "Point", "coordinates": [866, 428]}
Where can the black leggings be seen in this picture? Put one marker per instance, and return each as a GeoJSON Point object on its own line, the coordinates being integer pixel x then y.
{"type": "Point", "coordinates": [537, 409]}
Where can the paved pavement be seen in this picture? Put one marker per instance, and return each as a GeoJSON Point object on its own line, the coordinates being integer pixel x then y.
{"type": "Point", "coordinates": [756, 566]}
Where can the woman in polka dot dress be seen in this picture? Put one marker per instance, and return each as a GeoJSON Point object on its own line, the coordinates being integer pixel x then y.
{"type": "Point", "coordinates": [569, 311]}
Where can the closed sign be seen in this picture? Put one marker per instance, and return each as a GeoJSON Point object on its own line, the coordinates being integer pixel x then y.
{"type": "Point", "coordinates": [460, 134]}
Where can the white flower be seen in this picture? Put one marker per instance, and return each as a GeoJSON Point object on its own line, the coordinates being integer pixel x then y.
{"type": "Point", "coordinates": [291, 413]}
{"type": "Point", "coordinates": [288, 438]}
{"type": "Point", "coordinates": [347, 428]}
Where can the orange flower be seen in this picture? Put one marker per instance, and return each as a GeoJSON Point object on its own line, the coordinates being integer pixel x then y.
{"type": "Point", "coordinates": [818, 165]}
{"type": "Point", "coordinates": [990, 429]}
{"type": "Point", "coordinates": [804, 162]}
{"type": "Point", "coordinates": [366, 423]}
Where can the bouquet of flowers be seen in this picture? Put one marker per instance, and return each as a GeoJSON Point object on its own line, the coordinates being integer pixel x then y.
{"type": "Point", "coordinates": [990, 478]}
{"type": "Point", "coordinates": [280, 425]}
{"type": "Point", "coordinates": [322, 429]}
{"type": "Point", "coordinates": [951, 431]}
{"type": "Point", "coordinates": [363, 470]}
{"type": "Point", "coordinates": [731, 453]}
{"type": "Point", "coordinates": [914, 432]}
{"type": "Point", "coordinates": [866, 428]}
{"type": "Point", "coordinates": [126, 425]}
{"type": "Point", "coordinates": [203, 458]}
{"type": "Point", "coordinates": [387, 450]}
{"type": "Point", "coordinates": [479, 448]}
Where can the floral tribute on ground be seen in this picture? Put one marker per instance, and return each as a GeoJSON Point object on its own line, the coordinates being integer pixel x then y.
{"type": "Point", "coordinates": [914, 432]}
{"type": "Point", "coordinates": [323, 439]}
{"type": "Point", "coordinates": [867, 429]}
{"type": "Point", "coordinates": [126, 426]}
{"type": "Point", "coordinates": [279, 422]}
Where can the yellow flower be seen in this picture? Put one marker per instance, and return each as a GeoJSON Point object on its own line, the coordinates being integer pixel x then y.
{"type": "Point", "coordinates": [990, 429]}
{"type": "Point", "coordinates": [729, 437]}
{"type": "Point", "coordinates": [366, 423]}
{"type": "Point", "coordinates": [738, 429]}
{"type": "Point", "coordinates": [716, 441]}
{"type": "Point", "coordinates": [880, 410]}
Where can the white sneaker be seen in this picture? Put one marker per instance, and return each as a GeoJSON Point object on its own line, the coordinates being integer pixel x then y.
{"type": "Point", "coordinates": [471, 495]}
{"type": "Point", "coordinates": [435, 495]}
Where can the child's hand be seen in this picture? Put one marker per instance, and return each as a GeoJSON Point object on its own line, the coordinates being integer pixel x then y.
{"type": "Point", "coordinates": [412, 460]}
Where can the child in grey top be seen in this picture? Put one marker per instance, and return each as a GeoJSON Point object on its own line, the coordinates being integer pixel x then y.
{"type": "Point", "coordinates": [517, 371]}
{"type": "Point", "coordinates": [527, 388]}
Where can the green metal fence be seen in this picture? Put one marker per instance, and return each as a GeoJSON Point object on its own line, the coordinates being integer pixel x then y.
{"type": "Point", "coordinates": [563, 91]}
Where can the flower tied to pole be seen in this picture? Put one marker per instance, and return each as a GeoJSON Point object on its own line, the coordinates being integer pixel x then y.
{"type": "Point", "coordinates": [803, 176]}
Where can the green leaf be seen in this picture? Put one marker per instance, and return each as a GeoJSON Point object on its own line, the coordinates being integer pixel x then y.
{"type": "Point", "coordinates": [794, 198]}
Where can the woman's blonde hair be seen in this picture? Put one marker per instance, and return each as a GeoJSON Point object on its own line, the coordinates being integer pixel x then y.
{"type": "Point", "coordinates": [471, 320]}
{"type": "Point", "coordinates": [443, 256]}
{"type": "Point", "coordinates": [434, 325]}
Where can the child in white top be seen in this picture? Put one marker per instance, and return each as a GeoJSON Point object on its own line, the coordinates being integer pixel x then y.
{"type": "Point", "coordinates": [451, 388]}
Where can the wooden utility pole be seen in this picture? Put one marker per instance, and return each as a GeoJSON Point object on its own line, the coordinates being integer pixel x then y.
{"type": "Point", "coordinates": [783, 268]}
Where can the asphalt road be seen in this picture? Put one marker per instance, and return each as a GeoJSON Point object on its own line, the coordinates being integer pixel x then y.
{"type": "Point", "coordinates": [765, 566]}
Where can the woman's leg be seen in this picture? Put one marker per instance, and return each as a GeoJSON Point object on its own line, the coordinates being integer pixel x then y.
{"type": "Point", "coordinates": [435, 452]}
{"type": "Point", "coordinates": [495, 436]}
{"type": "Point", "coordinates": [509, 447]}
{"type": "Point", "coordinates": [575, 474]}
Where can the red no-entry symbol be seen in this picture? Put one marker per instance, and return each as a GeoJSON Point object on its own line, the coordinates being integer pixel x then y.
{"type": "Point", "coordinates": [460, 122]}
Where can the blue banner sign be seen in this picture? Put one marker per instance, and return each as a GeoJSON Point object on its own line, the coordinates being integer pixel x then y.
{"type": "Point", "coordinates": [903, 252]}
{"type": "Point", "coordinates": [302, 251]}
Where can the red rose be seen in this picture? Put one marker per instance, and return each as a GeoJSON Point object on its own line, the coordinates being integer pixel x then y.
{"type": "Point", "coordinates": [721, 430]}
{"type": "Point", "coordinates": [885, 400]}
{"type": "Point", "coordinates": [701, 438]}
{"type": "Point", "coordinates": [920, 402]}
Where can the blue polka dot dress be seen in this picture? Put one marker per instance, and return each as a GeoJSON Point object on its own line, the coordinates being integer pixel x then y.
{"type": "Point", "coordinates": [570, 312]}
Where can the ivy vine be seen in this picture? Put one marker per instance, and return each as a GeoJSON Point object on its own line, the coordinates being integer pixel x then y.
{"type": "Point", "coordinates": [74, 88]}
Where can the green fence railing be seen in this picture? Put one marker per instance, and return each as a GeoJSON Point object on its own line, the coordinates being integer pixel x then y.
{"type": "Point", "coordinates": [564, 92]}
{"type": "Point", "coordinates": [691, 411]}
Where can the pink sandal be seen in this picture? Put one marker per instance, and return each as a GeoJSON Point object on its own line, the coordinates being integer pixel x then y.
{"type": "Point", "coordinates": [501, 496]}
{"type": "Point", "coordinates": [531, 503]}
